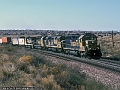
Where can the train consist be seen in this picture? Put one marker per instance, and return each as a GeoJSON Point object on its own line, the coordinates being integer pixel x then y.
{"type": "Point", "coordinates": [82, 45]}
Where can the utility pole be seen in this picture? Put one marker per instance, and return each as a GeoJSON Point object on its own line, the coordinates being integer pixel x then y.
{"type": "Point", "coordinates": [112, 39]}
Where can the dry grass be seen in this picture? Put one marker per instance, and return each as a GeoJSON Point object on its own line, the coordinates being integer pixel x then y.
{"type": "Point", "coordinates": [22, 68]}
{"type": "Point", "coordinates": [50, 84]}
{"type": "Point", "coordinates": [107, 46]}
{"type": "Point", "coordinates": [26, 59]}
{"type": "Point", "coordinates": [4, 57]}
{"type": "Point", "coordinates": [27, 80]}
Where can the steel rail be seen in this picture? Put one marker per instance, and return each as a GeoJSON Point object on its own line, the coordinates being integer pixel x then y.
{"type": "Point", "coordinates": [100, 63]}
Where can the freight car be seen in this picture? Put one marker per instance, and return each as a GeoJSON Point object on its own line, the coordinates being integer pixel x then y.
{"type": "Point", "coordinates": [29, 41]}
{"type": "Point", "coordinates": [15, 41]}
{"type": "Point", "coordinates": [21, 41]}
{"type": "Point", "coordinates": [6, 40]}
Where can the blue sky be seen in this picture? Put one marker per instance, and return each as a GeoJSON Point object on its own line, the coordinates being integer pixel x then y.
{"type": "Point", "coordinates": [60, 14]}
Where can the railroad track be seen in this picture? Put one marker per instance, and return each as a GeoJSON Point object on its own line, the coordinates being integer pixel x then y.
{"type": "Point", "coordinates": [103, 63]}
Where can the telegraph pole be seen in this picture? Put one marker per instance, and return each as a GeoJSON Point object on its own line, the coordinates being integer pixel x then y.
{"type": "Point", "coordinates": [112, 39]}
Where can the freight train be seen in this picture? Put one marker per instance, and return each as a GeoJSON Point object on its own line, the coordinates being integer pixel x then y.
{"type": "Point", "coordinates": [82, 45]}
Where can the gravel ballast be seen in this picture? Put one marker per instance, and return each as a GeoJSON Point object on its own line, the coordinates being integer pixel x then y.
{"type": "Point", "coordinates": [102, 75]}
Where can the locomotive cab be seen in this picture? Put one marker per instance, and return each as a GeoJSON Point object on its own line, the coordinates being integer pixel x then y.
{"type": "Point", "coordinates": [30, 41]}
{"type": "Point", "coordinates": [89, 44]}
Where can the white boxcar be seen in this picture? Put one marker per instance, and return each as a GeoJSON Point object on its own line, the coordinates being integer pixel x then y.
{"type": "Point", "coordinates": [15, 41]}
{"type": "Point", "coordinates": [0, 40]}
{"type": "Point", "coordinates": [21, 41]}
